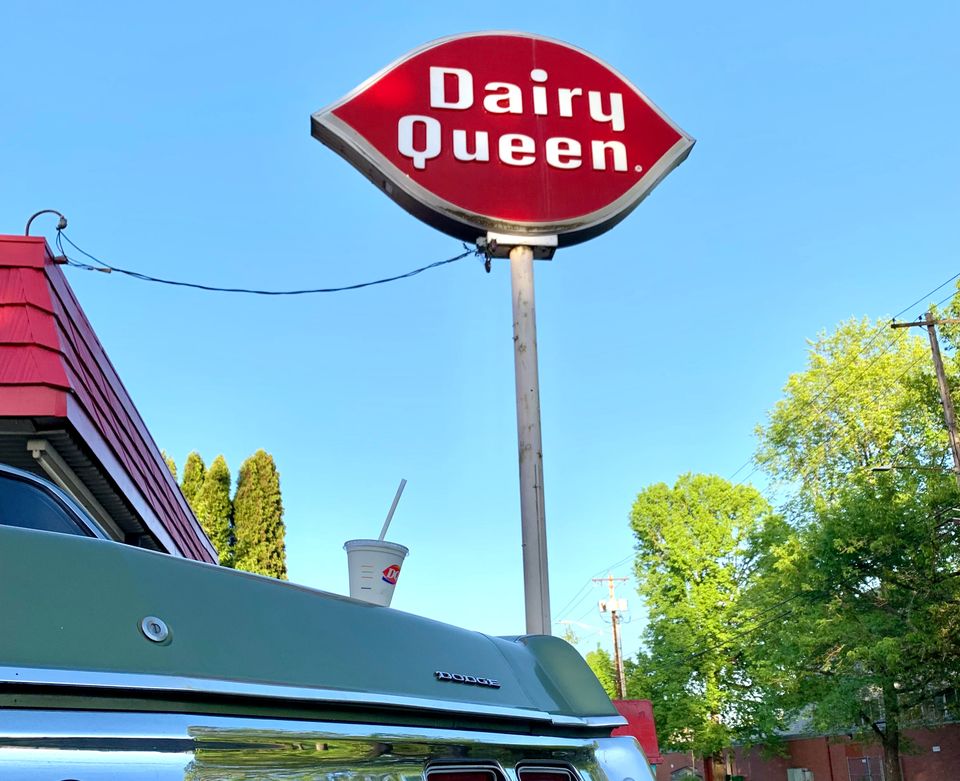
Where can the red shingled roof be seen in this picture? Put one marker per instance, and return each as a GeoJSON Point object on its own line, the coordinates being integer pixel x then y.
{"type": "Point", "coordinates": [53, 369]}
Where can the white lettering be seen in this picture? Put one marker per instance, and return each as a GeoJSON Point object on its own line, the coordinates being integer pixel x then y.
{"type": "Point", "coordinates": [539, 93]}
{"type": "Point", "coordinates": [615, 117]}
{"type": "Point", "coordinates": [563, 153]}
{"type": "Point", "coordinates": [600, 149]}
{"type": "Point", "coordinates": [517, 149]}
{"type": "Point", "coordinates": [504, 98]}
{"type": "Point", "coordinates": [565, 99]}
{"type": "Point", "coordinates": [438, 88]}
{"type": "Point", "coordinates": [481, 146]}
{"type": "Point", "coordinates": [406, 128]}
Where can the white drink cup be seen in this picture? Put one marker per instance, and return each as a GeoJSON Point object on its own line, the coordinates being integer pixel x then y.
{"type": "Point", "coordinates": [374, 566]}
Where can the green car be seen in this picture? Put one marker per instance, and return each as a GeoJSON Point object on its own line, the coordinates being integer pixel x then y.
{"type": "Point", "coordinates": [123, 663]}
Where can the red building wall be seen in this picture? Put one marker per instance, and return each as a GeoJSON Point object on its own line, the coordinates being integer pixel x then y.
{"type": "Point", "coordinates": [830, 759]}
{"type": "Point", "coordinates": [929, 765]}
{"type": "Point", "coordinates": [639, 716]}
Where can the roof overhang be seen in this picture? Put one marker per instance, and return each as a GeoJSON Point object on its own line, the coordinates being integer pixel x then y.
{"type": "Point", "coordinates": [58, 387]}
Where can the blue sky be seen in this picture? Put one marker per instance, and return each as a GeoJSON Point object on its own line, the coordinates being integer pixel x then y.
{"type": "Point", "coordinates": [176, 139]}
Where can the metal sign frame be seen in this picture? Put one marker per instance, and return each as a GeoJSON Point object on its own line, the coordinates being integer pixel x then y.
{"type": "Point", "coordinates": [469, 225]}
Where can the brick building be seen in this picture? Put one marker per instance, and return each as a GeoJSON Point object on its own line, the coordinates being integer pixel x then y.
{"type": "Point", "coordinates": [935, 756]}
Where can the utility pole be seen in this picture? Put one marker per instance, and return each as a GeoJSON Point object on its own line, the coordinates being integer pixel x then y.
{"type": "Point", "coordinates": [949, 415]}
{"type": "Point", "coordinates": [614, 607]}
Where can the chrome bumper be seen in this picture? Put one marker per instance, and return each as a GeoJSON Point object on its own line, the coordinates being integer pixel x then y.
{"type": "Point", "coordinates": [50, 745]}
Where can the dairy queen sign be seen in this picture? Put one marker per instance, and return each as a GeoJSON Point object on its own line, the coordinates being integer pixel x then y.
{"type": "Point", "coordinates": [506, 132]}
{"type": "Point", "coordinates": [522, 144]}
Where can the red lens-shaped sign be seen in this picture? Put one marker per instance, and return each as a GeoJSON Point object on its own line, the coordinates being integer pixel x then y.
{"type": "Point", "coordinates": [506, 132]}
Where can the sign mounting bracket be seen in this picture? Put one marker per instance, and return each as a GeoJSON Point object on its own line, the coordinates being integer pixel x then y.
{"type": "Point", "coordinates": [499, 245]}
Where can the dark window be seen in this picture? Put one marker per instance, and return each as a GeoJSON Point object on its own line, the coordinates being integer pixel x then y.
{"type": "Point", "coordinates": [29, 507]}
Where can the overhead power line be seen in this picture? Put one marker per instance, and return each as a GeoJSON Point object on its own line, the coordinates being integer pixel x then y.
{"type": "Point", "coordinates": [825, 443]}
{"type": "Point", "coordinates": [108, 268]}
{"type": "Point", "coordinates": [584, 591]}
{"type": "Point", "coordinates": [841, 372]}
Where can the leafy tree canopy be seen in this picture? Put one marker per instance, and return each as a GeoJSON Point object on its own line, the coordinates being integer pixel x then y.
{"type": "Point", "coordinates": [863, 599]}
{"type": "Point", "coordinates": [214, 509]}
{"type": "Point", "coordinates": [868, 600]}
{"type": "Point", "coordinates": [699, 544]}
{"type": "Point", "coordinates": [194, 472]}
{"type": "Point", "coordinates": [171, 464]}
{"type": "Point", "coordinates": [258, 518]}
{"type": "Point", "coordinates": [866, 399]}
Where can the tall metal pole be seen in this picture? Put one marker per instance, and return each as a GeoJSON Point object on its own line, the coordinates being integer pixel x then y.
{"type": "Point", "coordinates": [533, 522]}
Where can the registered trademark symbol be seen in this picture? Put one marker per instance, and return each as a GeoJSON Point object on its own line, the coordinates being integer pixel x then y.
{"type": "Point", "coordinates": [638, 168]}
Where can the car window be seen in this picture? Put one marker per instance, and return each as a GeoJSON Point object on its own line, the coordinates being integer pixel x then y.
{"type": "Point", "coordinates": [29, 507]}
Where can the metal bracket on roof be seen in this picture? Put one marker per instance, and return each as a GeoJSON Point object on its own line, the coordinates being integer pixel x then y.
{"type": "Point", "coordinates": [61, 223]}
{"type": "Point", "coordinates": [60, 472]}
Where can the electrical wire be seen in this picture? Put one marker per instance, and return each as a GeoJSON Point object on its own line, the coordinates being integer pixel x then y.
{"type": "Point", "coordinates": [944, 300]}
{"type": "Point", "coordinates": [813, 399]}
{"type": "Point", "coordinates": [824, 445]}
{"type": "Point", "coordinates": [830, 402]}
{"type": "Point", "coordinates": [584, 590]}
{"type": "Point", "coordinates": [882, 393]}
{"type": "Point", "coordinates": [106, 267]}
{"type": "Point", "coordinates": [736, 636]}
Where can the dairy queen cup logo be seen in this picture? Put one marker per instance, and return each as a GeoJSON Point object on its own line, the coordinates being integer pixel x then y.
{"type": "Point", "coordinates": [391, 573]}
{"type": "Point", "coordinates": [506, 132]}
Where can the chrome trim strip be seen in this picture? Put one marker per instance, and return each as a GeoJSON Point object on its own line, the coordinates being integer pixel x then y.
{"type": "Point", "coordinates": [605, 721]}
{"type": "Point", "coordinates": [173, 684]}
{"type": "Point", "coordinates": [105, 745]}
{"type": "Point", "coordinates": [16, 723]}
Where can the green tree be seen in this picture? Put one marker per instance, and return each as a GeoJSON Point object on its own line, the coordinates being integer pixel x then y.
{"type": "Point", "coordinates": [867, 398]}
{"type": "Point", "coordinates": [258, 518]}
{"type": "Point", "coordinates": [865, 589]}
{"type": "Point", "coordinates": [194, 472]}
{"type": "Point", "coordinates": [171, 464]}
{"type": "Point", "coordinates": [699, 546]}
{"type": "Point", "coordinates": [569, 634]}
{"type": "Point", "coordinates": [871, 608]}
{"type": "Point", "coordinates": [602, 665]}
{"type": "Point", "coordinates": [214, 509]}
